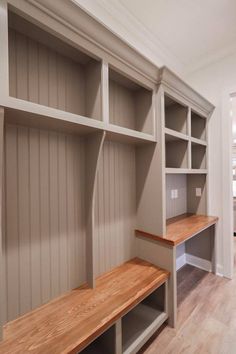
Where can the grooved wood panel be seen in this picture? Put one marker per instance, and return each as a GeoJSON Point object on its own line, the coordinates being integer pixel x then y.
{"type": "Point", "coordinates": [176, 206]}
{"type": "Point", "coordinates": [121, 105]}
{"type": "Point", "coordinates": [41, 75]}
{"type": "Point", "coordinates": [130, 108]}
{"type": "Point", "coordinates": [44, 231]}
{"type": "Point", "coordinates": [115, 207]}
{"type": "Point", "coordinates": [176, 117]}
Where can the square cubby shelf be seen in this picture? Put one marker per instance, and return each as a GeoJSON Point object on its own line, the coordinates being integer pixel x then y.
{"type": "Point", "coordinates": [130, 104]}
{"type": "Point", "coordinates": [176, 152]}
{"type": "Point", "coordinates": [175, 115]}
{"type": "Point", "coordinates": [198, 156]}
{"type": "Point", "coordinates": [46, 70]}
{"type": "Point", "coordinates": [198, 126]}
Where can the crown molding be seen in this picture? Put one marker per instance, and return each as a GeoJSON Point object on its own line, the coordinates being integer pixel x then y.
{"type": "Point", "coordinates": [116, 17]}
{"type": "Point", "coordinates": [169, 79]}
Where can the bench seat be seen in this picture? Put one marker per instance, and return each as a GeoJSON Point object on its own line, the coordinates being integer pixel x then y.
{"type": "Point", "coordinates": [69, 323]}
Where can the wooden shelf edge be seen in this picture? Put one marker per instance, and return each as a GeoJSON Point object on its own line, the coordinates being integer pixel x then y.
{"type": "Point", "coordinates": [147, 235]}
{"type": "Point", "coordinates": [174, 241]}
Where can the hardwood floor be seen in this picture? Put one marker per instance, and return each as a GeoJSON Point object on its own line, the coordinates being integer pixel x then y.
{"type": "Point", "coordinates": [206, 316]}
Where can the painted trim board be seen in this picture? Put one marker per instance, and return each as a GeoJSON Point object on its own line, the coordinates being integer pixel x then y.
{"type": "Point", "coordinates": [194, 261]}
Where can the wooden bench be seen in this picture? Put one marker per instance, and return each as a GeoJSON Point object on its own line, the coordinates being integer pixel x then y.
{"type": "Point", "coordinates": [71, 322]}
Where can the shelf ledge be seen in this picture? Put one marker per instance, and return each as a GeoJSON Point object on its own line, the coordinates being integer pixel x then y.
{"type": "Point", "coordinates": [198, 141]}
{"type": "Point", "coordinates": [34, 115]}
{"type": "Point", "coordinates": [174, 134]}
{"type": "Point", "coordinates": [190, 171]}
{"type": "Point", "coordinates": [181, 228]}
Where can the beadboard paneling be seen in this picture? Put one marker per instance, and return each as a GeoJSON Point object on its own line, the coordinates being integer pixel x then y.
{"type": "Point", "coordinates": [44, 228]}
{"type": "Point", "coordinates": [42, 75]}
{"type": "Point", "coordinates": [115, 207]}
{"type": "Point", "coordinates": [121, 105]}
{"type": "Point", "coordinates": [176, 206]}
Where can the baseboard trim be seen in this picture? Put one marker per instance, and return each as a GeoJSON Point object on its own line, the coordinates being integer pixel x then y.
{"type": "Point", "coordinates": [180, 261]}
{"type": "Point", "coordinates": [198, 262]}
{"type": "Point", "coordinates": [219, 270]}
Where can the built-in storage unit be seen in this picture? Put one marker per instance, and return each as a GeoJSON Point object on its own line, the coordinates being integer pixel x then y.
{"type": "Point", "coordinates": [185, 194]}
{"type": "Point", "coordinates": [45, 70]}
{"type": "Point", "coordinates": [94, 138]}
{"type": "Point", "coordinates": [198, 126]}
{"type": "Point", "coordinates": [105, 343]}
{"type": "Point", "coordinates": [77, 127]}
{"type": "Point", "coordinates": [91, 320]}
{"type": "Point", "coordinates": [143, 320]}
{"type": "Point", "coordinates": [176, 115]}
{"type": "Point", "coordinates": [176, 151]}
{"type": "Point", "coordinates": [198, 154]}
{"type": "Point", "coordinates": [182, 185]}
{"type": "Point", "coordinates": [130, 104]}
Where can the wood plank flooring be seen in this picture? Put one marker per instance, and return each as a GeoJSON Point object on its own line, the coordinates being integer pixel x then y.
{"type": "Point", "coordinates": [206, 316]}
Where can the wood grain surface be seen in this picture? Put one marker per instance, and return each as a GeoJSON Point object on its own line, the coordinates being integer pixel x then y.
{"type": "Point", "coordinates": [181, 228]}
{"type": "Point", "coordinates": [68, 323]}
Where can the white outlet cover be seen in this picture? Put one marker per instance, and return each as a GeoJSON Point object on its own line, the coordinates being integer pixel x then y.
{"type": "Point", "coordinates": [172, 194]}
{"type": "Point", "coordinates": [176, 193]}
{"type": "Point", "coordinates": [198, 192]}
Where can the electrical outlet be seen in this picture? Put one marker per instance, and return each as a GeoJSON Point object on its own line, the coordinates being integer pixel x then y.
{"type": "Point", "coordinates": [172, 194]}
{"type": "Point", "coordinates": [176, 193]}
{"type": "Point", "coordinates": [198, 192]}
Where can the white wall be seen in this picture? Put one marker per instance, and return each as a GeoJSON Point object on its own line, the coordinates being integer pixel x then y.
{"type": "Point", "coordinates": [213, 82]}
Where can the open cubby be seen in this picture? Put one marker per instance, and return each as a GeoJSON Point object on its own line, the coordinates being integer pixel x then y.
{"type": "Point", "coordinates": [105, 343]}
{"type": "Point", "coordinates": [176, 152]}
{"type": "Point", "coordinates": [186, 201]}
{"type": "Point", "coordinates": [130, 105]}
{"type": "Point", "coordinates": [198, 126]}
{"type": "Point", "coordinates": [176, 115]}
{"type": "Point", "coordinates": [143, 320]}
{"type": "Point", "coordinates": [45, 70]}
{"type": "Point", "coordinates": [198, 156]}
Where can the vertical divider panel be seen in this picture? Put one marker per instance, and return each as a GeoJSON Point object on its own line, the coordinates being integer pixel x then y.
{"type": "Point", "coordinates": [118, 337]}
{"type": "Point", "coordinates": [150, 179]}
{"type": "Point", "coordinates": [94, 144]}
{"type": "Point", "coordinates": [105, 92]}
{"type": "Point", "coordinates": [4, 76]}
{"type": "Point", "coordinates": [1, 202]}
{"type": "Point", "coordinates": [189, 134]}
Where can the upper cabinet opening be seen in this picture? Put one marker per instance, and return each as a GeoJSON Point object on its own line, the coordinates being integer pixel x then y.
{"type": "Point", "coordinates": [175, 115]}
{"type": "Point", "coordinates": [198, 126]}
{"type": "Point", "coordinates": [176, 152]}
{"type": "Point", "coordinates": [130, 105]}
{"type": "Point", "coordinates": [46, 70]}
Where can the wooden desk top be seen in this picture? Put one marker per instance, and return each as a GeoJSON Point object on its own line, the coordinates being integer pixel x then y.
{"type": "Point", "coordinates": [181, 228]}
{"type": "Point", "coordinates": [68, 323]}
